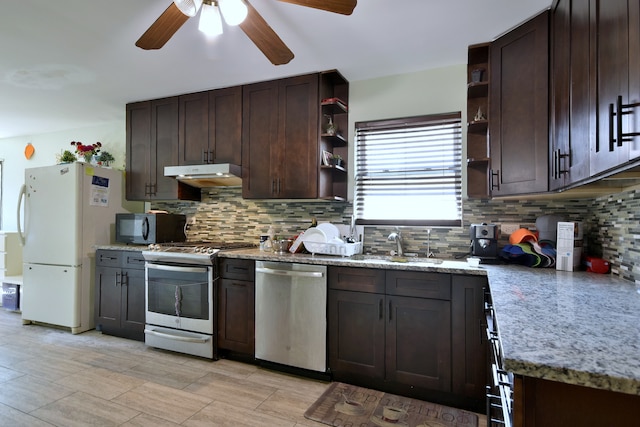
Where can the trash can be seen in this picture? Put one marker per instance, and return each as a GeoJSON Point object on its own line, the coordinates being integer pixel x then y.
{"type": "Point", "coordinates": [11, 296]}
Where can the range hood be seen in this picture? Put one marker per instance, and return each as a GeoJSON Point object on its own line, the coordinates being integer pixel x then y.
{"type": "Point", "coordinates": [203, 176]}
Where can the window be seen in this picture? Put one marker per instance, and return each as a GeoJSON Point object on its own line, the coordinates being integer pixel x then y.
{"type": "Point", "coordinates": [408, 171]}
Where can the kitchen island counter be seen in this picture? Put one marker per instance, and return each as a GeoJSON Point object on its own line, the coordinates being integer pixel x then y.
{"type": "Point", "coordinates": [572, 327]}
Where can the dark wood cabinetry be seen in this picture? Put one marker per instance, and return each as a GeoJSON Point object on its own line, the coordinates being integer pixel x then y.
{"type": "Point", "coordinates": [519, 120]}
{"type": "Point", "coordinates": [408, 332]}
{"type": "Point", "coordinates": [280, 138]}
{"type": "Point", "coordinates": [120, 293]}
{"type": "Point", "coordinates": [572, 94]}
{"type": "Point", "coordinates": [210, 127]}
{"type": "Point", "coordinates": [152, 144]}
{"type": "Point", "coordinates": [236, 306]}
{"type": "Point", "coordinates": [478, 162]}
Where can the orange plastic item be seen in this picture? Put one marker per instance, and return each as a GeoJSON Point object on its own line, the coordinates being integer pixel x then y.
{"type": "Point", "coordinates": [29, 150]}
{"type": "Point", "coordinates": [522, 235]}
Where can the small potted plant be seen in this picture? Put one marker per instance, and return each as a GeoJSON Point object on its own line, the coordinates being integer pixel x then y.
{"type": "Point", "coordinates": [105, 158]}
{"type": "Point", "coordinates": [66, 157]}
{"type": "Point", "coordinates": [338, 161]}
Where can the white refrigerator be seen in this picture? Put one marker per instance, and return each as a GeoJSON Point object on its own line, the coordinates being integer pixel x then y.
{"type": "Point", "coordinates": [67, 210]}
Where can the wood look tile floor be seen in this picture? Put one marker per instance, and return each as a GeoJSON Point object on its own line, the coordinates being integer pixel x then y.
{"type": "Point", "coordinates": [49, 377]}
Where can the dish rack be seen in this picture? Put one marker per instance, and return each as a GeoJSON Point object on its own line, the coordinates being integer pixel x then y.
{"type": "Point", "coordinates": [342, 249]}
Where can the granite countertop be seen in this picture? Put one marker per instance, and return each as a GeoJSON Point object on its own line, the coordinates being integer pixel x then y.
{"type": "Point", "coordinates": [573, 327]}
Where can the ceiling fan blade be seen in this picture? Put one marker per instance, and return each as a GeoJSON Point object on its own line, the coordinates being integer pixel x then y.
{"type": "Point", "coordinates": [344, 7]}
{"type": "Point", "coordinates": [163, 29]}
{"type": "Point", "coordinates": [263, 36]}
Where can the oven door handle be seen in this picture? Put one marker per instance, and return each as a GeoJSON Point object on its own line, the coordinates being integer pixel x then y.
{"type": "Point", "coordinates": [289, 272]}
{"type": "Point", "coordinates": [199, 339]}
{"type": "Point", "coordinates": [177, 268]}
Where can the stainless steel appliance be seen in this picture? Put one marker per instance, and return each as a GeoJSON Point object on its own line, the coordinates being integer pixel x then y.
{"type": "Point", "coordinates": [484, 241]}
{"type": "Point", "coordinates": [181, 296]}
{"type": "Point", "coordinates": [291, 314]}
{"type": "Point", "coordinates": [207, 175]}
{"type": "Point", "coordinates": [146, 228]}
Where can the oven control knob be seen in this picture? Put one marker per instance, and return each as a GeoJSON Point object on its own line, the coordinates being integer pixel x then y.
{"type": "Point", "coordinates": [210, 251]}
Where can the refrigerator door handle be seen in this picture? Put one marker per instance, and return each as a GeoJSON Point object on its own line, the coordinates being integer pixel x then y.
{"type": "Point", "coordinates": [23, 191]}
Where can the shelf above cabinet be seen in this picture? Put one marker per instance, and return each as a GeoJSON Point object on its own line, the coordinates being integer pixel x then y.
{"type": "Point", "coordinates": [477, 126]}
{"type": "Point", "coordinates": [334, 106]}
{"type": "Point", "coordinates": [335, 138]}
{"type": "Point", "coordinates": [478, 90]}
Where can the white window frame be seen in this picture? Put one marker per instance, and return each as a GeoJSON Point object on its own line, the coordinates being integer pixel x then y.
{"type": "Point", "coordinates": [409, 171]}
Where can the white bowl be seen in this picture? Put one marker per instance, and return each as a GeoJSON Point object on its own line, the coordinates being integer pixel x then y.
{"type": "Point", "coordinates": [473, 261]}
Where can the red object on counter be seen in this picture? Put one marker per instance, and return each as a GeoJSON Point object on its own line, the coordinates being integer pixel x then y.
{"type": "Point", "coordinates": [596, 265]}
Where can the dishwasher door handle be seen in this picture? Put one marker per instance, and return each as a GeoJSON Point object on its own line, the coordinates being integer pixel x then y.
{"type": "Point", "coordinates": [289, 273]}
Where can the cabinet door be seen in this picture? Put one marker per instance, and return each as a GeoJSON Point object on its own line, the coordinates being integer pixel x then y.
{"type": "Point", "coordinates": [138, 150]}
{"type": "Point", "coordinates": [236, 316]}
{"type": "Point", "coordinates": [572, 94]}
{"type": "Point", "coordinates": [164, 148]}
{"type": "Point", "coordinates": [132, 318]}
{"type": "Point", "coordinates": [468, 337]}
{"type": "Point", "coordinates": [297, 159]}
{"type": "Point", "coordinates": [356, 335]}
{"type": "Point", "coordinates": [418, 342]}
{"type": "Point", "coordinates": [519, 121]}
{"type": "Point", "coordinates": [225, 125]}
{"type": "Point", "coordinates": [259, 135]}
{"type": "Point", "coordinates": [611, 23]}
{"type": "Point", "coordinates": [194, 129]}
{"type": "Point", "coordinates": [108, 285]}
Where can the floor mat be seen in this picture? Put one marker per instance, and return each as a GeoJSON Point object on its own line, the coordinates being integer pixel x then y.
{"type": "Point", "coordinates": [343, 404]}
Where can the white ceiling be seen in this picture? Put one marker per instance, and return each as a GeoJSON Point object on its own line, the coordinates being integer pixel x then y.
{"type": "Point", "coordinates": [73, 63]}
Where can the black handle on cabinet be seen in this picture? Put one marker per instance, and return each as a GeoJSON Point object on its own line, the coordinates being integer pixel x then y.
{"type": "Point", "coordinates": [390, 312]}
{"type": "Point", "coordinates": [205, 156]}
{"type": "Point", "coordinates": [495, 185]}
{"type": "Point", "coordinates": [380, 309]}
{"type": "Point", "coordinates": [118, 280]}
{"type": "Point", "coordinates": [212, 156]}
{"type": "Point", "coordinates": [556, 167]}
{"type": "Point", "coordinates": [612, 139]}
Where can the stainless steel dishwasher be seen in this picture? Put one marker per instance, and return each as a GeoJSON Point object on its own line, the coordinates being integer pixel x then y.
{"type": "Point", "coordinates": [291, 314]}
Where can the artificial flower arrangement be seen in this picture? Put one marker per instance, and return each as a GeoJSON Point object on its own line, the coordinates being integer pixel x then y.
{"type": "Point", "coordinates": [86, 151]}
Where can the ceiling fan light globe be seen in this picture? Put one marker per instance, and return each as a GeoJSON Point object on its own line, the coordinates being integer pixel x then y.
{"type": "Point", "coordinates": [233, 11]}
{"type": "Point", "coordinates": [188, 7]}
{"type": "Point", "coordinates": [210, 20]}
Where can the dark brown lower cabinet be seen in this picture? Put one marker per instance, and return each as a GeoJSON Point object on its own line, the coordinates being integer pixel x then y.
{"type": "Point", "coordinates": [236, 306]}
{"type": "Point", "coordinates": [120, 293]}
{"type": "Point", "coordinates": [539, 402]}
{"type": "Point", "coordinates": [409, 333]}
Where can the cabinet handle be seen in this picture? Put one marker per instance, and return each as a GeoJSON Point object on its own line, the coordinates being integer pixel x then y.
{"type": "Point", "coordinates": [612, 139]}
{"type": "Point", "coordinates": [118, 279]}
{"type": "Point", "coordinates": [212, 156]}
{"type": "Point", "coordinates": [623, 110]}
{"type": "Point", "coordinates": [278, 185]}
{"type": "Point", "coordinates": [380, 309]}
{"type": "Point", "coordinates": [390, 312]}
{"type": "Point", "coordinates": [556, 167]}
{"type": "Point", "coordinates": [125, 278]}
{"type": "Point", "coordinates": [273, 186]}
{"type": "Point", "coordinates": [495, 183]}
{"type": "Point", "coordinates": [205, 158]}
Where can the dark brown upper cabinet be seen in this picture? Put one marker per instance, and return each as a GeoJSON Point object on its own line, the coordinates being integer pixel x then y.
{"type": "Point", "coordinates": [519, 111]}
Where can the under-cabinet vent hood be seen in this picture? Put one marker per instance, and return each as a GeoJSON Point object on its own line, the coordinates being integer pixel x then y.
{"type": "Point", "coordinates": [203, 176]}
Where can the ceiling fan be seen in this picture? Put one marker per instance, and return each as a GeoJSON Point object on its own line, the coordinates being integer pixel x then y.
{"type": "Point", "coordinates": [249, 20]}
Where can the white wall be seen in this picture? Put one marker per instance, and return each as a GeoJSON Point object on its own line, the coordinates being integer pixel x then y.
{"type": "Point", "coordinates": [112, 137]}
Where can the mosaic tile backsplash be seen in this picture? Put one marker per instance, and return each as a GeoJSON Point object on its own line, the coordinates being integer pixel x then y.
{"type": "Point", "coordinates": [611, 223]}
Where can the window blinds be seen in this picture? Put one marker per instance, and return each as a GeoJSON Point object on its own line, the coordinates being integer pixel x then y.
{"type": "Point", "coordinates": [408, 171]}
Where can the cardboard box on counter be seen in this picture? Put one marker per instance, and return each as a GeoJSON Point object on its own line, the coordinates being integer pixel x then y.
{"type": "Point", "coordinates": [569, 245]}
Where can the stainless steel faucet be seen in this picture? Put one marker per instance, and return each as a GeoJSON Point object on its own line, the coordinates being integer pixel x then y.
{"type": "Point", "coordinates": [397, 237]}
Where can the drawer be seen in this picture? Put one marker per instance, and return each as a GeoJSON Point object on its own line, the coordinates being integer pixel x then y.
{"type": "Point", "coordinates": [238, 269]}
{"type": "Point", "coordinates": [108, 258]}
{"type": "Point", "coordinates": [133, 259]}
{"type": "Point", "coordinates": [357, 279]}
{"type": "Point", "coordinates": [419, 284]}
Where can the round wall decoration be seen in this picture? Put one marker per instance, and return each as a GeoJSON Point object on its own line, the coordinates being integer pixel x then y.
{"type": "Point", "coordinates": [29, 150]}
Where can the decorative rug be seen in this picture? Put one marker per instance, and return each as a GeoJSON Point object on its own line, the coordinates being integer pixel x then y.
{"type": "Point", "coordinates": [347, 405]}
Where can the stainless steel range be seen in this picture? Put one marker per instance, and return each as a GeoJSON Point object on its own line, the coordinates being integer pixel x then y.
{"type": "Point", "coordinates": [181, 296]}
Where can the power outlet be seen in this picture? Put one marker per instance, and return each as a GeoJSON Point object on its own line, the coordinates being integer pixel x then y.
{"type": "Point", "coordinates": [506, 228]}
{"type": "Point", "coordinates": [191, 220]}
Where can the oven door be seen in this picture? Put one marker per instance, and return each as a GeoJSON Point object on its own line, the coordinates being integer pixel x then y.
{"type": "Point", "coordinates": [180, 297]}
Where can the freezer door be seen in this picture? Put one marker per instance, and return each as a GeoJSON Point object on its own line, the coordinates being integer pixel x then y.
{"type": "Point", "coordinates": [51, 294]}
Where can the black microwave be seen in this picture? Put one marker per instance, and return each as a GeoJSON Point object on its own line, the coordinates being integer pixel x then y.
{"type": "Point", "coordinates": [146, 228]}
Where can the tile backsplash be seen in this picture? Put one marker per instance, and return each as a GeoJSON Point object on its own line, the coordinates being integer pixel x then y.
{"type": "Point", "coordinates": [611, 223]}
